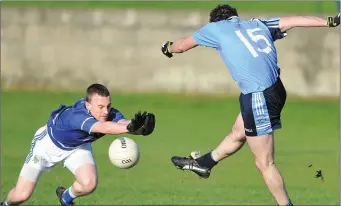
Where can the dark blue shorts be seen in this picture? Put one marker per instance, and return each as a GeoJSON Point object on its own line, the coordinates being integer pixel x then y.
{"type": "Point", "coordinates": [261, 111]}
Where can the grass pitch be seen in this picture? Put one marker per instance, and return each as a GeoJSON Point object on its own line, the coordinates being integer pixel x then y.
{"type": "Point", "coordinates": [310, 135]}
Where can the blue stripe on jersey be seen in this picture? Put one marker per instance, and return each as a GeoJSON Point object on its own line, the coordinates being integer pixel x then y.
{"type": "Point", "coordinates": [261, 114]}
{"type": "Point", "coordinates": [33, 144]}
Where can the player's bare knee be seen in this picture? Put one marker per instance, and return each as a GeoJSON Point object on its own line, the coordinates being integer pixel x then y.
{"type": "Point", "coordinates": [238, 133]}
{"type": "Point", "coordinates": [264, 165]}
{"type": "Point", "coordinates": [89, 184]}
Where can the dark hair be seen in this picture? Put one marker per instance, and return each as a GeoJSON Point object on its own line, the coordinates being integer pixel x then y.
{"type": "Point", "coordinates": [222, 12]}
{"type": "Point", "coordinates": [99, 89]}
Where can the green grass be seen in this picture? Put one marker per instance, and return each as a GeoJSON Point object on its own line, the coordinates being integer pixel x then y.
{"type": "Point", "coordinates": [243, 6]}
{"type": "Point", "coordinates": [310, 135]}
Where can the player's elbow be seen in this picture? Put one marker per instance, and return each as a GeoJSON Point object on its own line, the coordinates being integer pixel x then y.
{"type": "Point", "coordinates": [285, 27]}
{"type": "Point", "coordinates": [184, 44]}
{"type": "Point", "coordinates": [286, 23]}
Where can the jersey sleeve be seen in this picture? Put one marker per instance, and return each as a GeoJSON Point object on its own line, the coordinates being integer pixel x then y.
{"type": "Point", "coordinates": [205, 36]}
{"type": "Point", "coordinates": [116, 115]}
{"type": "Point", "coordinates": [83, 121]}
{"type": "Point", "coordinates": [273, 26]}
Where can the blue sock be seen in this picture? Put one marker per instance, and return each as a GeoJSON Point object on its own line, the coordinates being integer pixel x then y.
{"type": "Point", "coordinates": [68, 197]}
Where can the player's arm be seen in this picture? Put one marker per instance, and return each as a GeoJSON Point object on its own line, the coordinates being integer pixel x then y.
{"type": "Point", "coordinates": [87, 123]}
{"type": "Point", "coordinates": [140, 124]}
{"type": "Point", "coordinates": [118, 125]}
{"type": "Point", "coordinates": [126, 122]}
{"type": "Point", "coordinates": [203, 37]}
{"type": "Point", "coordinates": [178, 46]}
{"type": "Point", "coordinates": [290, 22]}
{"type": "Point", "coordinates": [119, 118]}
{"type": "Point", "coordinates": [109, 128]}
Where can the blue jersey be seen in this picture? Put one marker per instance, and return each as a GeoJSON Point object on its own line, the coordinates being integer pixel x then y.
{"type": "Point", "coordinates": [247, 48]}
{"type": "Point", "coordinates": [70, 126]}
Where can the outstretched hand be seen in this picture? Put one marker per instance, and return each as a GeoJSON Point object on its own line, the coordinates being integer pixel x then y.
{"type": "Point", "coordinates": [166, 49]}
{"type": "Point", "coordinates": [137, 121]}
{"type": "Point", "coordinates": [333, 21]}
{"type": "Point", "coordinates": [149, 124]}
{"type": "Point", "coordinates": [142, 123]}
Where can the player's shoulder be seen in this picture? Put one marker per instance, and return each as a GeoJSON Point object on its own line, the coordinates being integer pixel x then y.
{"type": "Point", "coordinates": [209, 26]}
{"type": "Point", "coordinates": [79, 109]}
{"type": "Point", "coordinates": [80, 103]}
{"type": "Point", "coordinates": [257, 20]}
{"type": "Point", "coordinates": [265, 20]}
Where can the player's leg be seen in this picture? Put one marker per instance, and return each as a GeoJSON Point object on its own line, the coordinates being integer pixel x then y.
{"type": "Point", "coordinates": [230, 145]}
{"type": "Point", "coordinates": [203, 165]}
{"type": "Point", "coordinates": [86, 180]}
{"type": "Point", "coordinates": [262, 111]}
{"type": "Point", "coordinates": [24, 187]}
{"type": "Point", "coordinates": [232, 142]}
{"type": "Point", "coordinates": [30, 172]}
{"type": "Point", "coordinates": [262, 148]}
{"type": "Point", "coordinates": [81, 163]}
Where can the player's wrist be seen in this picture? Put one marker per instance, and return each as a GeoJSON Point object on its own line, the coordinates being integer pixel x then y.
{"type": "Point", "coordinates": [170, 47]}
{"type": "Point", "coordinates": [329, 21]}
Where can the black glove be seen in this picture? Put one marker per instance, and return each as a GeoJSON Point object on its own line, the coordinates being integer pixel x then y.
{"type": "Point", "coordinates": [333, 21]}
{"type": "Point", "coordinates": [166, 48]}
{"type": "Point", "coordinates": [137, 122]}
{"type": "Point", "coordinates": [149, 124]}
{"type": "Point", "coordinates": [142, 124]}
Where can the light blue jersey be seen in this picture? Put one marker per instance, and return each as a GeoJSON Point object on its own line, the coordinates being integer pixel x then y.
{"type": "Point", "coordinates": [247, 48]}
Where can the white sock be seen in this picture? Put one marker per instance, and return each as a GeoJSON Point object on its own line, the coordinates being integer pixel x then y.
{"type": "Point", "coordinates": [71, 194]}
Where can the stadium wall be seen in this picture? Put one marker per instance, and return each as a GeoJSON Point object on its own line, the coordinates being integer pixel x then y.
{"type": "Point", "coordinates": [67, 49]}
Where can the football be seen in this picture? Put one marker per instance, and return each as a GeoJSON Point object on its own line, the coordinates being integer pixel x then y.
{"type": "Point", "coordinates": [124, 153]}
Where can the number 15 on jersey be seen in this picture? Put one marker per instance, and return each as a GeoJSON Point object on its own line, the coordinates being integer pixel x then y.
{"type": "Point", "coordinates": [251, 34]}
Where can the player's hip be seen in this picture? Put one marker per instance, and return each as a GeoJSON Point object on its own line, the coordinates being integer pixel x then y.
{"type": "Point", "coordinates": [44, 151]}
{"type": "Point", "coordinates": [261, 111]}
{"type": "Point", "coordinates": [254, 81]}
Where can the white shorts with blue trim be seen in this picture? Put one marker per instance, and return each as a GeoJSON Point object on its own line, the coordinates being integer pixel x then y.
{"type": "Point", "coordinates": [44, 155]}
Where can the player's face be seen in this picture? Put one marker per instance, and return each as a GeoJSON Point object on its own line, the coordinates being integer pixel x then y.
{"type": "Point", "coordinates": [99, 107]}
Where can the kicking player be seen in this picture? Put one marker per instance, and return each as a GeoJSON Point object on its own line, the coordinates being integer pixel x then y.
{"type": "Point", "coordinates": [67, 138]}
{"type": "Point", "coordinates": [247, 48]}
